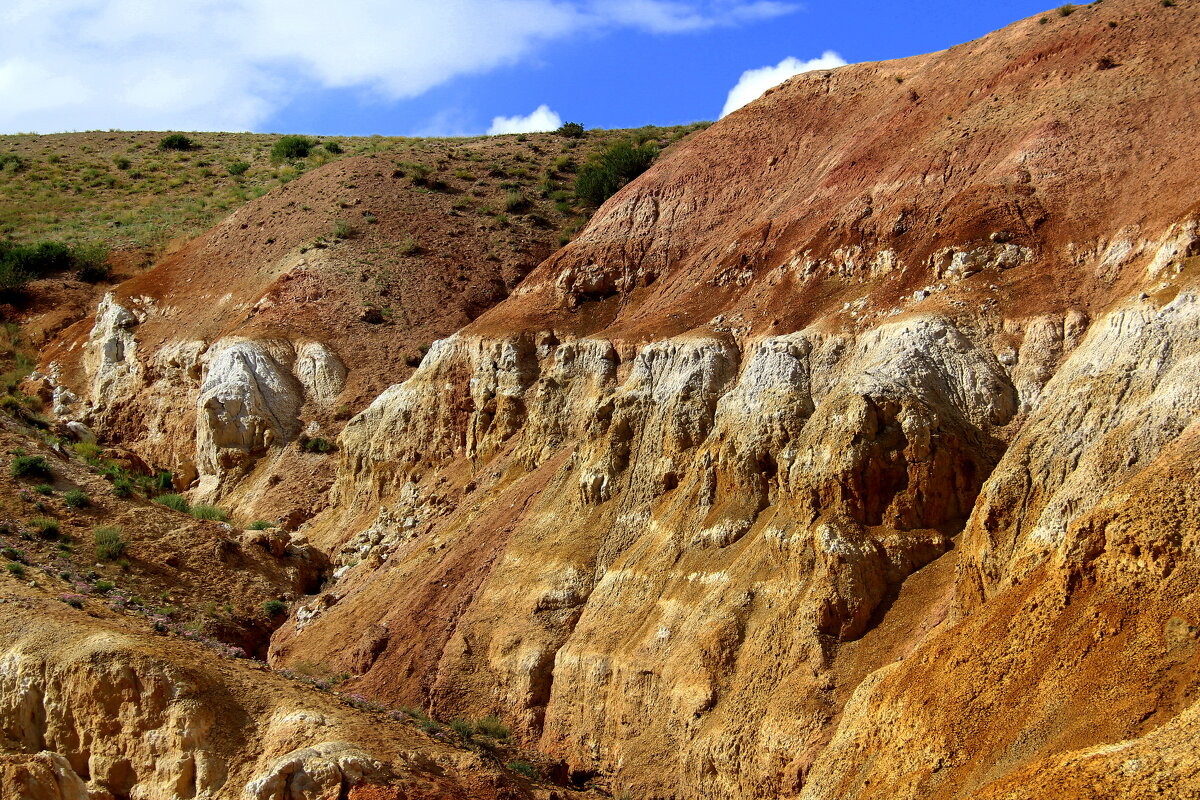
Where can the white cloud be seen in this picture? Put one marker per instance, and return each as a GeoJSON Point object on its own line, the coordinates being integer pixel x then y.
{"type": "Point", "coordinates": [756, 81]}
{"type": "Point", "coordinates": [229, 64]}
{"type": "Point", "coordinates": [542, 119]}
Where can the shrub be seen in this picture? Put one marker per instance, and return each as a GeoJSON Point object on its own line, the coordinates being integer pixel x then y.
{"type": "Point", "coordinates": [571, 130]}
{"type": "Point", "coordinates": [212, 513]}
{"type": "Point", "coordinates": [408, 246]}
{"type": "Point", "coordinates": [46, 527]}
{"type": "Point", "coordinates": [315, 445]}
{"type": "Point", "coordinates": [333, 147]}
{"type": "Point", "coordinates": [342, 229]}
{"type": "Point", "coordinates": [238, 167]}
{"type": "Point", "coordinates": [176, 502]}
{"type": "Point", "coordinates": [176, 141]}
{"type": "Point", "coordinates": [44, 489]}
{"type": "Point", "coordinates": [15, 569]}
{"type": "Point", "coordinates": [464, 729]}
{"type": "Point", "coordinates": [110, 544]}
{"type": "Point", "coordinates": [523, 768]}
{"type": "Point", "coordinates": [1067, 10]}
{"type": "Point", "coordinates": [122, 487]}
{"type": "Point", "coordinates": [105, 586]}
{"type": "Point", "coordinates": [605, 173]}
{"type": "Point", "coordinates": [260, 525]}
{"type": "Point", "coordinates": [492, 728]}
{"type": "Point", "coordinates": [273, 608]}
{"type": "Point", "coordinates": [290, 148]}
{"type": "Point", "coordinates": [77, 498]}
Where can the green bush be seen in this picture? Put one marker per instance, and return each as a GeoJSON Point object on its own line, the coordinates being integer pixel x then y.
{"type": "Point", "coordinates": [21, 263]}
{"type": "Point", "coordinates": [342, 229]}
{"type": "Point", "coordinates": [110, 544]}
{"type": "Point", "coordinates": [122, 487]}
{"type": "Point", "coordinates": [571, 130]}
{"type": "Point", "coordinates": [606, 172]}
{"type": "Point", "coordinates": [176, 502]}
{"type": "Point", "coordinates": [1067, 10]}
{"type": "Point", "coordinates": [105, 586]}
{"type": "Point", "coordinates": [515, 201]}
{"type": "Point", "coordinates": [333, 147]}
{"type": "Point", "coordinates": [77, 498]}
{"type": "Point", "coordinates": [315, 445]}
{"type": "Point", "coordinates": [463, 728]}
{"type": "Point", "coordinates": [176, 141]}
{"type": "Point", "coordinates": [30, 467]}
{"type": "Point", "coordinates": [273, 608]}
{"type": "Point", "coordinates": [239, 167]}
{"type": "Point", "coordinates": [46, 527]}
{"type": "Point", "coordinates": [211, 513]}
{"type": "Point", "coordinates": [261, 525]}
{"type": "Point", "coordinates": [44, 489]}
{"type": "Point", "coordinates": [523, 768]}
{"type": "Point", "coordinates": [292, 147]}
{"type": "Point", "coordinates": [15, 569]}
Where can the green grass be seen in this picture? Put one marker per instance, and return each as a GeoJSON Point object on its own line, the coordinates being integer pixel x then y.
{"type": "Point", "coordinates": [46, 527]}
{"type": "Point", "coordinates": [207, 512]}
{"type": "Point", "coordinates": [23, 466]}
{"type": "Point", "coordinates": [175, 502]}
{"type": "Point", "coordinates": [77, 498]}
{"type": "Point", "coordinates": [110, 543]}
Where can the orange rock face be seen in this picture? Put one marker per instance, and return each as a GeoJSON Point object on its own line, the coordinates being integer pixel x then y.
{"type": "Point", "coordinates": [849, 453]}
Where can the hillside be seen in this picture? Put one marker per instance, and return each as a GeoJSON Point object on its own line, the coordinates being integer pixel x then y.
{"type": "Point", "coordinates": [847, 453]}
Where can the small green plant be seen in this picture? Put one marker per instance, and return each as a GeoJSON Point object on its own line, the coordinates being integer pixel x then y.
{"type": "Point", "coordinates": [77, 498]}
{"type": "Point", "coordinates": [333, 147]}
{"type": "Point", "coordinates": [91, 263]}
{"type": "Point", "coordinates": [110, 543]}
{"type": "Point", "coordinates": [1066, 10]}
{"type": "Point", "coordinates": [408, 246]}
{"type": "Point", "coordinates": [1168, 3]}
{"type": "Point", "coordinates": [15, 569]}
{"type": "Point", "coordinates": [122, 487]}
{"type": "Point", "coordinates": [523, 768]}
{"type": "Point", "coordinates": [515, 201]}
{"type": "Point", "coordinates": [105, 586]}
{"type": "Point", "coordinates": [571, 130]}
{"type": "Point", "coordinates": [493, 728]}
{"type": "Point", "coordinates": [260, 525]}
{"type": "Point", "coordinates": [342, 229]}
{"type": "Point", "coordinates": [23, 466]}
{"type": "Point", "coordinates": [315, 444]}
{"type": "Point", "coordinates": [44, 489]}
{"type": "Point", "coordinates": [463, 728]}
{"type": "Point", "coordinates": [238, 168]}
{"type": "Point", "coordinates": [176, 141]}
{"type": "Point", "coordinates": [46, 527]}
{"type": "Point", "coordinates": [176, 502]}
{"type": "Point", "coordinates": [207, 512]}
{"type": "Point", "coordinates": [292, 147]}
{"type": "Point", "coordinates": [273, 608]}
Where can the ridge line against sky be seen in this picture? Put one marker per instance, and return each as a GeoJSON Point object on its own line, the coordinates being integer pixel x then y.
{"type": "Point", "coordinates": [426, 67]}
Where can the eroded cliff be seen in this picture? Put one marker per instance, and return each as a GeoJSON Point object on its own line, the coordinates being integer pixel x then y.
{"type": "Point", "coordinates": [849, 452]}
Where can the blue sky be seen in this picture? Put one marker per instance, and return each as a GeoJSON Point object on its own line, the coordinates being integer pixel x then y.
{"type": "Point", "coordinates": [433, 67]}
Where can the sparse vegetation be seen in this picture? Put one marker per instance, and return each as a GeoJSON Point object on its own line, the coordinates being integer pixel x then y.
{"type": "Point", "coordinates": [15, 569]}
{"type": "Point", "coordinates": [333, 147]}
{"type": "Point", "coordinates": [238, 168]}
{"type": "Point", "coordinates": [1066, 10]}
{"type": "Point", "coordinates": [493, 728]}
{"type": "Point", "coordinates": [342, 229]}
{"type": "Point", "coordinates": [176, 502]}
{"type": "Point", "coordinates": [210, 513]}
{"type": "Point", "coordinates": [260, 525]}
{"type": "Point", "coordinates": [77, 498]}
{"type": "Point", "coordinates": [20, 264]}
{"type": "Point", "coordinates": [110, 543]}
{"type": "Point", "coordinates": [523, 768]}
